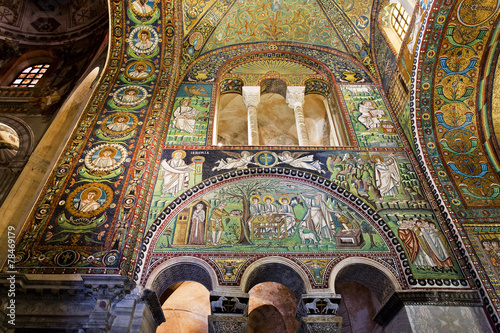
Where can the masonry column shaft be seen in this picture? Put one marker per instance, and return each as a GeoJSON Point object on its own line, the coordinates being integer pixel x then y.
{"type": "Point", "coordinates": [295, 100]}
{"type": "Point", "coordinates": [251, 98]}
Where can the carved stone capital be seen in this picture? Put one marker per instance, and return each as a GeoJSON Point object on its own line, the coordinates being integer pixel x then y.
{"type": "Point", "coordinates": [251, 96]}
{"type": "Point", "coordinates": [320, 324]}
{"type": "Point", "coordinates": [227, 323]}
{"type": "Point", "coordinates": [295, 96]}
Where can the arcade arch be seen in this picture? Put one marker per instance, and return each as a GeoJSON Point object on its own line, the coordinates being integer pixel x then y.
{"type": "Point", "coordinates": [272, 308]}
{"type": "Point", "coordinates": [364, 290]}
{"type": "Point", "coordinates": [186, 307]}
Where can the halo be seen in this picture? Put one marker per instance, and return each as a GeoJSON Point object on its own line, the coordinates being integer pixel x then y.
{"type": "Point", "coordinates": [254, 197]}
{"type": "Point", "coordinates": [282, 198]}
{"type": "Point", "coordinates": [377, 156]}
{"type": "Point", "coordinates": [186, 99]}
{"type": "Point", "coordinates": [141, 63]}
{"type": "Point", "coordinates": [113, 151]}
{"type": "Point", "coordinates": [179, 151]}
{"type": "Point", "coordinates": [85, 193]}
{"type": "Point", "coordinates": [144, 32]}
{"type": "Point", "coordinates": [268, 197]}
{"type": "Point", "coordinates": [115, 119]}
{"type": "Point", "coordinates": [131, 89]}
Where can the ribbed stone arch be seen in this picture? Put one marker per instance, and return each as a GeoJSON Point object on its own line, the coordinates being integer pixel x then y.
{"type": "Point", "coordinates": [279, 273]}
{"type": "Point", "coordinates": [366, 274]}
{"type": "Point", "coordinates": [26, 139]}
{"type": "Point", "coordinates": [176, 271]}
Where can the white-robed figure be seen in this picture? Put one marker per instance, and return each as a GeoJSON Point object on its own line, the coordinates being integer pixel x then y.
{"type": "Point", "coordinates": [88, 200]}
{"type": "Point", "coordinates": [144, 42]}
{"type": "Point", "coordinates": [238, 161]}
{"type": "Point", "coordinates": [370, 116]}
{"type": "Point", "coordinates": [184, 117]}
{"type": "Point", "coordinates": [141, 6]}
{"type": "Point", "coordinates": [436, 245]}
{"type": "Point", "coordinates": [298, 161]}
{"type": "Point", "coordinates": [130, 96]}
{"type": "Point", "coordinates": [256, 207]}
{"type": "Point", "coordinates": [287, 210]}
{"type": "Point", "coordinates": [119, 124]}
{"type": "Point", "coordinates": [139, 71]}
{"type": "Point", "coordinates": [387, 177]}
{"type": "Point", "coordinates": [318, 217]}
{"type": "Point", "coordinates": [176, 173]}
{"type": "Point", "coordinates": [105, 158]}
{"type": "Point", "coordinates": [268, 207]}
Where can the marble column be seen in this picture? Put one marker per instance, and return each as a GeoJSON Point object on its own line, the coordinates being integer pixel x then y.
{"type": "Point", "coordinates": [251, 98]}
{"type": "Point", "coordinates": [295, 100]}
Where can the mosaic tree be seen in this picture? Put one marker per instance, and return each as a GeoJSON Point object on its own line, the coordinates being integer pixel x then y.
{"type": "Point", "coordinates": [242, 192]}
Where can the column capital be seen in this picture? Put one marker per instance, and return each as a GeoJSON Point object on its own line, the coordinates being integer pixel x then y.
{"type": "Point", "coordinates": [295, 96]}
{"type": "Point", "coordinates": [251, 96]}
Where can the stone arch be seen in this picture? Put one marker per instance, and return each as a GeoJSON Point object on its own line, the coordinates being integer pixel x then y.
{"type": "Point", "coordinates": [13, 161]}
{"type": "Point", "coordinates": [279, 270]}
{"type": "Point", "coordinates": [272, 307]}
{"type": "Point", "coordinates": [368, 273]}
{"type": "Point", "coordinates": [186, 307]}
{"type": "Point", "coordinates": [26, 139]}
{"type": "Point", "coordinates": [266, 318]}
{"type": "Point", "coordinates": [166, 217]}
{"type": "Point", "coordinates": [181, 269]}
{"type": "Point", "coordinates": [282, 127]}
{"type": "Point", "coordinates": [364, 287]}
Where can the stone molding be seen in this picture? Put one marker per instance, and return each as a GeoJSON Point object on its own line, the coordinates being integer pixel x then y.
{"type": "Point", "coordinates": [437, 298]}
{"type": "Point", "coordinates": [151, 300]}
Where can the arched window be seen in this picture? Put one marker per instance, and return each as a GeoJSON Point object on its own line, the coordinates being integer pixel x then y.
{"type": "Point", "coordinates": [394, 20]}
{"type": "Point", "coordinates": [30, 76]}
{"type": "Point", "coordinates": [399, 20]}
{"type": "Point", "coordinates": [274, 107]}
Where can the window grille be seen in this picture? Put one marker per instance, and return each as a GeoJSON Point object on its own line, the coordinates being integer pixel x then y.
{"type": "Point", "coordinates": [30, 76]}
